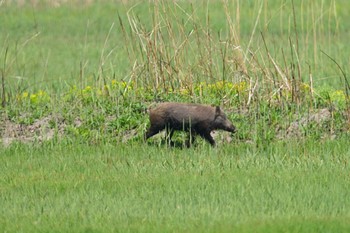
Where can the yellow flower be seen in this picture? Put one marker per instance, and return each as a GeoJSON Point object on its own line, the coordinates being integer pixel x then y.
{"type": "Point", "coordinates": [41, 93]}
{"type": "Point", "coordinates": [33, 98]}
{"type": "Point", "coordinates": [123, 84]}
{"type": "Point", "coordinates": [219, 85]}
{"type": "Point", "coordinates": [338, 96]}
{"type": "Point", "coordinates": [87, 88]}
{"type": "Point", "coordinates": [304, 87]}
{"type": "Point", "coordinates": [184, 91]}
{"type": "Point", "coordinates": [240, 87]}
{"type": "Point", "coordinates": [25, 95]}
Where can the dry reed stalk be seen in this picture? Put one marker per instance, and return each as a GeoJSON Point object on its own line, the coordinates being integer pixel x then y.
{"type": "Point", "coordinates": [3, 71]}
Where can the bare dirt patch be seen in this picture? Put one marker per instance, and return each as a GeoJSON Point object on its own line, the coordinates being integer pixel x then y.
{"type": "Point", "coordinates": [43, 129]}
{"type": "Point", "coordinates": [296, 127]}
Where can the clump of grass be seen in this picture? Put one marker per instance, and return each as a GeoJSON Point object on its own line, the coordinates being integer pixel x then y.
{"type": "Point", "coordinates": [188, 51]}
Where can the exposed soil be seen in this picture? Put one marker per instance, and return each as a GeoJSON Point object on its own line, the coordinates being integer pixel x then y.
{"type": "Point", "coordinates": [295, 129]}
{"type": "Point", "coordinates": [40, 130]}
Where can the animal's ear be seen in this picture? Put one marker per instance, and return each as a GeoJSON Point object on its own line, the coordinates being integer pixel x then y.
{"type": "Point", "coordinates": [217, 111]}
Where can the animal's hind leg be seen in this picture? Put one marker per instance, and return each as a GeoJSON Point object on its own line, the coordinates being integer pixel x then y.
{"type": "Point", "coordinates": [191, 138]}
{"type": "Point", "coordinates": [168, 135]}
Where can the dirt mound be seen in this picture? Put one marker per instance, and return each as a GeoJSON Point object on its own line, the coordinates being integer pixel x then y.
{"type": "Point", "coordinates": [41, 130]}
{"type": "Point", "coordinates": [295, 129]}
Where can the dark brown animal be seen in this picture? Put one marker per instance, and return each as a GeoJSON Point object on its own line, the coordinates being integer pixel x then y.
{"type": "Point", "coordinates": [193, 118]}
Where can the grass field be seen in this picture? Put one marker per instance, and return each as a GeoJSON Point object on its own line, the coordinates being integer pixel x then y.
{"type": "Point", "coordinates": [50, 47]}
{"type": "Point", "coordinates": [77, 78]}
{"type": "Point", "coordinates": [289, 187]}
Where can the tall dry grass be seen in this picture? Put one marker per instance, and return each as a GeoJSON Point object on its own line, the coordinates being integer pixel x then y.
{"type": "Point", "coordinates": [179, 48]}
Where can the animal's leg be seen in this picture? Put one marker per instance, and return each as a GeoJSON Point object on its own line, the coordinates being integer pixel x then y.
{"type": "Point", "coordinates": [152, 131]}
{"type": "Point", "coordinates": [191, 138]}
{"type": "Point", "coordinates": [168, 135]}
{"type": "Point", "coordinates": [206, 135]}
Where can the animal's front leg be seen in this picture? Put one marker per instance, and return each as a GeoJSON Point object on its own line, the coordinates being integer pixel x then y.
{"type": "Point", "coordinates": [153, 130]}
{"type": "Point", "coordinates": [206, 135]}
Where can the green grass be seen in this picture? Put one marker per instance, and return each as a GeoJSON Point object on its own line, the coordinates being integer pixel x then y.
{"type": "Point", "coordinates": [75, 84]}
{"type": "Point", "coordinates": [289, 187]}
{"type": "Point", "coordinates": [51, 47]}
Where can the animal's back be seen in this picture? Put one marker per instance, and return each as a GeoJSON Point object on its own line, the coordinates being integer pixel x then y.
{"type": "Point", "coordinates": [184, 112]}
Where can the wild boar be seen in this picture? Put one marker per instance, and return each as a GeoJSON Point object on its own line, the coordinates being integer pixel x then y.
{"type": "Point", "coordinates": [194, 118]}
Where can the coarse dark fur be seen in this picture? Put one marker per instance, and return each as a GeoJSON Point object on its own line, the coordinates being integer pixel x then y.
{"type": "Point", "coordinates": [194, 118]}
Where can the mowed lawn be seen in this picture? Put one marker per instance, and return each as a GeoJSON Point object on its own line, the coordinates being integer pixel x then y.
{"type": "Point", "coordinates": [284, 187]}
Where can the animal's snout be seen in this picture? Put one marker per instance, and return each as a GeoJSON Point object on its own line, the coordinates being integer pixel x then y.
{"type": "Point", "coordinates": [232, 129]}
